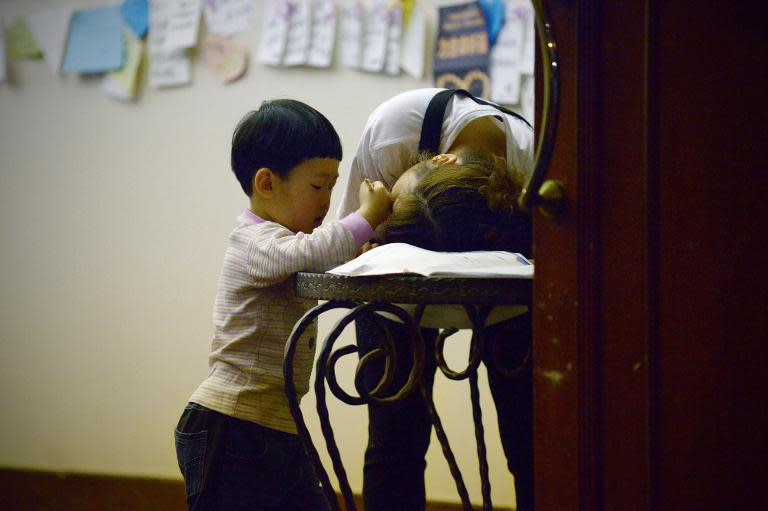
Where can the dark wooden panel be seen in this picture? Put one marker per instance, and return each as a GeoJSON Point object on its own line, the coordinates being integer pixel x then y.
{"type": "Point", "coordinates": [711, 66]}
{"type": "Point", "coordinates": [26, 490]}
{"type": "Point", "coordinates": [626, 244]}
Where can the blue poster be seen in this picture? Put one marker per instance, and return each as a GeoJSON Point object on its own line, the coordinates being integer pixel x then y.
{"type": "Point", "coordinates": [95, 41]}
{"type": "Point", "coordinates": [462, 51]}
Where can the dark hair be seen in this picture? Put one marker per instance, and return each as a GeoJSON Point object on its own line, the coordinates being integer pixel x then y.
{"type": "Point", "coordinates": [280, 135]}
{"type": "Point", "coordinates": [462, 207]}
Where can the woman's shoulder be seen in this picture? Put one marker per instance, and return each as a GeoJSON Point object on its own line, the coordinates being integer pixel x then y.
{"type": "Point", "coordinates": [414, 99]}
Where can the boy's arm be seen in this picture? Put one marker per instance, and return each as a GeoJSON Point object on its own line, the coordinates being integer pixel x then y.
{"type": "Point", "coordinates": [277, 253]}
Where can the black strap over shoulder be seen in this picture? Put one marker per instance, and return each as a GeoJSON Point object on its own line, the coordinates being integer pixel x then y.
{"type": "Point", "coordinates": [433, 117]}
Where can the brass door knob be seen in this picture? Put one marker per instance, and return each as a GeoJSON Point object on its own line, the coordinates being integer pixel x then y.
{"type": "Point", "coordinates": [551, 200]}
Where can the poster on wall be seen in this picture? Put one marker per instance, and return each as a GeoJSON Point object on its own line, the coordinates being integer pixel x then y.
{"type": "Point", "coordinates": [461, 53]}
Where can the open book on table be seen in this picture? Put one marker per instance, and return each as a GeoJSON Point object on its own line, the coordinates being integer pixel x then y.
{"type": "Point", "coordinates": [399, 258]}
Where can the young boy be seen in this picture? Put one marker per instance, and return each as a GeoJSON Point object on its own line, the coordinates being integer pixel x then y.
{"type": "Point", "coordinates": [236, 441]}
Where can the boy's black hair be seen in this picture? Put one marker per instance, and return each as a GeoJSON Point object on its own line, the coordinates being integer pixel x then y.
{"type": "Point", "coordinates": [280, 135]}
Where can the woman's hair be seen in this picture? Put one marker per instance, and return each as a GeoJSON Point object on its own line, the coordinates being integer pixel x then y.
{"type": "Point", "coordinates": [280, 135]}
{"type": "Point", "coordinates": [462, 207]}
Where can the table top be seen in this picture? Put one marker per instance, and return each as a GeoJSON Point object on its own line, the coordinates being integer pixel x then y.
{"type": "Point", "coordinates": [415, 289]}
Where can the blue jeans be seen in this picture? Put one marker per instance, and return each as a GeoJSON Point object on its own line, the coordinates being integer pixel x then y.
{"type": "Point", "coordinates": [399, 433]}
{"type": "Point", "coordinates": [230, 464]}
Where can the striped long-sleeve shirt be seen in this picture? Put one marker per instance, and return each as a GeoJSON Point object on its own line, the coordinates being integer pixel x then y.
{"type": "Point", "coordinates": [255, 310]}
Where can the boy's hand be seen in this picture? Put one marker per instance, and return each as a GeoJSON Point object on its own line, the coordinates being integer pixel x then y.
{"type": "Point", "coordinates": [368, 245]}
{"type": "Point", "coordinates": [375, 202]}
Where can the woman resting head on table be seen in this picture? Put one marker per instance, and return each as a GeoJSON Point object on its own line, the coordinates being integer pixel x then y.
{"type": "Point", "coordinates": [452, 203]}
{"type": "Point", "coordinates": [461, 197]}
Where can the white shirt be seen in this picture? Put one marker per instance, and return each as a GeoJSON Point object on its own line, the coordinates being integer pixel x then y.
{"type": "Point", "coordinates": [391, 136]}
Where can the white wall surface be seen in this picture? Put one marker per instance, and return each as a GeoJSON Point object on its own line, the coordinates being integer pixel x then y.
{"type": "Point", "coordinates": [113, 224]}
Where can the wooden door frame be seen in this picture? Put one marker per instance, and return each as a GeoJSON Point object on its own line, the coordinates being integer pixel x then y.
{"type": "Point", "coordinates": [651, 293]}
{"type": "Point", "coordinates": [578, 344]}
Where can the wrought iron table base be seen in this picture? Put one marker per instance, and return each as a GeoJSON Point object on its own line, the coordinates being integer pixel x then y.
{"type": "Point", "coordinates": [327, 359]}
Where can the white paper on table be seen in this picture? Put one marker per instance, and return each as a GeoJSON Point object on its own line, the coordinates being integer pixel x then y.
{"type": "Point", "coordinates": [323, 33]}
{"type": "Point", "coordinates": [413, 47]}
{"type": "Point", "coordinates": [228, 17]}
{"type": "Point", "coordinates": [173, 24]}
{"type": "Point", "coordinates": [394, 34]}
{"type": "Point", "coordinates": [375, 38]}
{"type": "Point", "coordinates": [123, 84]}
{"type": "Point", "coordinates": [397, 258]}
{"type": "Point", "coordinates": [170, 69]}
{"type": "Point", "coordinates": [299, 37]}
{"type": "Point", "coordinates": [351, 42]}
{"type": "Point", "coordinates": [3, 64]}
{"type": "Point", "coordinates": [274, 32]}
{"type": "Point", "coordinates": [51, 29]}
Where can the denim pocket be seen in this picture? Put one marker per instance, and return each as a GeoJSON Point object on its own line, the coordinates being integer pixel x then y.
{"type": "Point", "coordinates": [190, 451]}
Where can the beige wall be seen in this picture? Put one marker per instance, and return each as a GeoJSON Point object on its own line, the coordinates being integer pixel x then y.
{"type": "Point", "coordinates": [113, 222]}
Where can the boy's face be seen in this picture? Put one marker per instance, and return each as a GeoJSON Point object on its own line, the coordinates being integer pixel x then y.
{"type": "Point", "coordinates": [301, 199]}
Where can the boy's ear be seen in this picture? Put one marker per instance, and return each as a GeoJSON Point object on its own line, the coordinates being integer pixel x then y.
{"type": "Point", "coordinates": [263, 182]}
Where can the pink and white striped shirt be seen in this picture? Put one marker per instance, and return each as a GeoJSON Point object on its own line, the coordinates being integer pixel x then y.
{"type": "Point", "coordinates": [255, 310]}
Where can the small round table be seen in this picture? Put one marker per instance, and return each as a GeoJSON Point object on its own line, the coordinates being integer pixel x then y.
{"type": "Point", "coordinates": [416, 301]}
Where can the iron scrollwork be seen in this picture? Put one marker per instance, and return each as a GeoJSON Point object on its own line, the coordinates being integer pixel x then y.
{"type": "Point", "coordinates": [325, 372]}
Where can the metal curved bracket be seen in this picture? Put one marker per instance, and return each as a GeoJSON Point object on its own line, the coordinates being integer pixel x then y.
{"type": "Point", "coordinates": [549, 111]}
{"type": "Point", "coordinates": [325, 371]}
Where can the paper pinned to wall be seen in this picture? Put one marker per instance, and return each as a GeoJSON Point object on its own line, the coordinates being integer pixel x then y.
{"type": "Point", "coordinates": [509, 60]}
{"type": "Point", "coordinates": [169, 69]}
{"type": "Point", "coordinates": [407, 6]}
{"type": "Point", "coordinates": [50, 29]}
{"type": "Point", "coordinates": [95, 42]}
{"type": "Point", "coordinates": [299, 37]}
{"type": "Point", "coordinates": [3, 62]}
{"type": "Point", "coordinates": [323, 33]}
{"type": "Point", "coordinates": [136, 16]}
{"type": "Point", "coordinates": [20, 42]}
{"type": "Point", "coordinates": [375, 38]}
{"type": "Point", "coordinates": [351, 40]}
{"type": "Point", "coordinates": [173, 24]}
{"type": "Point", "coordinates": [528, 99]}
{"type": "Point", "coordinates": [525, 10]}
{"type": "Point", "coordinates": [226, 58]}
{"type": "Point", "coordinates": [412, 51]}
{"type": "Point", "coordinates": [394, 34]}
{"type": "Point", "coordinates": [228, 17]}
{"type": "Point", "coordinates": [123, 84]}
{"type": "Point", "coordinates": [274, 32]}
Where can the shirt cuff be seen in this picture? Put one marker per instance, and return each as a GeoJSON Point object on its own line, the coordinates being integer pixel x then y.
{"type": "Point", "coordinates": [361, 229]}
